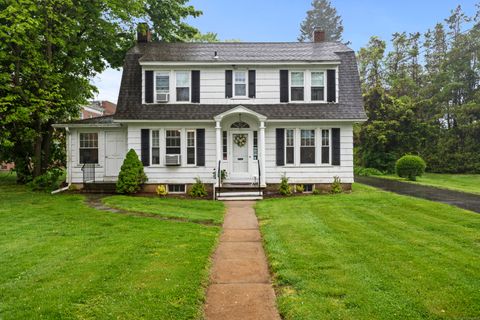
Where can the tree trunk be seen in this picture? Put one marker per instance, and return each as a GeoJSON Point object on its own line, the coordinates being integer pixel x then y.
{"type": "Point", "coordinates": [37, 153]}
{"type": "Point", "coordinates": [46, 147]}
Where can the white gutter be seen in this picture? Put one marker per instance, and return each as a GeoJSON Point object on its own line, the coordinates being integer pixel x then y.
{"type": "Point", "coordinates": [69, 166]}
{"type": "Point", "coordinates": [214, 63]}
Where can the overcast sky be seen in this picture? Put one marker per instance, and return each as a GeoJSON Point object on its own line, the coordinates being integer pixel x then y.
{"type": "Point", "coordinates": [279, 20]}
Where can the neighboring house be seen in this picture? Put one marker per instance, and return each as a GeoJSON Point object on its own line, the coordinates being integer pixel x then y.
{"type": "Point", "coordinates": [259, 110]}
{"type": "Point", "coordinates": [98, 109]}
{"type": "Point", "coordinates": [7, 166]}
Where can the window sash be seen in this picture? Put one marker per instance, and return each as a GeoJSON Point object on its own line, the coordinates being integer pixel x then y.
{"type": "Point", "coordinates": [191, 147]}
{"type": "Point", "coordinates": [318, 78]}
{"type": "Point", "coordinates": [297, 79]}
{"type": "Point", "coordinates": [225, 145]}
{"type": "Point", "coordinates": [255, 145]}
{"type": "Point", "coordinates": [289, 146]}
{"type": "Point", "coordinates": [307, 146]}
{"type": "Point", "coordinates": [155, 147]}
{"type": "Point", "coordinates": [88, 148]}
{"type": "Point", "coordinates": [173, 141]}
{"type": "Point", "coordinates": [325, 146]}
{"type": "Point", "coordinates": [182, 79]}
{"type": "Point", "coordinates": [240, 83]}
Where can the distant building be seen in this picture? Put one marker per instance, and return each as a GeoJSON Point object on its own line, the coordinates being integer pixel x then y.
{"type": "Point", "coordinates": [98, 108]}
{"type": "Point", "coordinates": [6, 166]}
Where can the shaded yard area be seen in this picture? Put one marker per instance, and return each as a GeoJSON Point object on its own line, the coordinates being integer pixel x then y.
{"type": "Point", "coordinates": [372, 255]}
{"type": "Point", "coordinates": [192, 210]}
{"type": "Point", "coordinates": [62, 259]}
{"type": "Point", "coordinates": [459, 182]}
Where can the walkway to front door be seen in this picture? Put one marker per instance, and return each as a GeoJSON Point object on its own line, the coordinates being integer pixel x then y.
{"type": "Point", "coordinates": [240, 286]}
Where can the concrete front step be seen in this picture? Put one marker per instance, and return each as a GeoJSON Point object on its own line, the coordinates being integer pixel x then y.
{"type": "Point", "coordinates": [240, 198]}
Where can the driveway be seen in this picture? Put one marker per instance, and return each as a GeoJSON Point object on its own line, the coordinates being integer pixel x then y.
{"type": "Point", "coordinates": [460, 199]}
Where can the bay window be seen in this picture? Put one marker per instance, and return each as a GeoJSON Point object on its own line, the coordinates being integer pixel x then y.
{"type": "Point", "coordinates": [155, 147]}
{"type": "Point", "coordinates": [307, 146]}
{"type": "Point", "coordinates": [172, 141]}
{"type": "Point", "coordinates": [191, 144]}
{"type": "Point", "coordinates": [289, 146]}
{"type": "Point", "coordinates": [325, 146]}
{"type": "Point", "coordinates": [88, 147]}
{"type": "Point", "coordinates": [182, 79]}
{"type": "Point", "coordinates": [240, 84]}
{"type": "Point", "coordinates": [162, 86]}
{"type": "Point", "coordinates": [317, 86]}
{"type": "Point", "coordinates": [297, 84]}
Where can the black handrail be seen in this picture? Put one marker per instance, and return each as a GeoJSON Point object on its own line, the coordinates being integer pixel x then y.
{"type": "Point", "coordinates": [259, 178]}
{"type": "Point", "coordinates": [219, 176]}
{"type": "Point", "coordinates": [88, 172]}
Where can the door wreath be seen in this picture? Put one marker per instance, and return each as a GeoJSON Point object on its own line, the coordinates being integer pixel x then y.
{"type": "Point", "coordinates": [240, 140]}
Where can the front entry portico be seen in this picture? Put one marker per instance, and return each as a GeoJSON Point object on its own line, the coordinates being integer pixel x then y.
{"type": "Point", "coordinates": [240, 142]}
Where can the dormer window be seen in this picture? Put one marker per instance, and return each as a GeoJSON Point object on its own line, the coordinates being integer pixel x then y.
{"type": "Point", "coordinates": [162, 86]}
{"type": "Point", "coordinates": [182, 79]}
{"type": "Point", "coordinates": [318, 86]}
{"type": "Point", "coordinates": [240, 83]}
{"type": "Point", "coordinates": [297, 85]}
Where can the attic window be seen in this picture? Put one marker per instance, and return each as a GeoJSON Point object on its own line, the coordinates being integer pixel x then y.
{"type": "Point", "coordinates": [240, 125]}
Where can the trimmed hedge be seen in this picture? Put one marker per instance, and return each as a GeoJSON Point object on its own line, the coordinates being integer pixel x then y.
{"type": "Point", "coordinates": [410, 167]}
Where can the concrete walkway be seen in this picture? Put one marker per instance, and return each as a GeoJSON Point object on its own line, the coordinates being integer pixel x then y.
{"type": "Point", "coordinates": [463, 200]}
{"type": "Point", "coordinates": [240, 286]}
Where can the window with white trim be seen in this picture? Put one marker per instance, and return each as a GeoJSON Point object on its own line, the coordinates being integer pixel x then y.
{"type": "Point", "coordinates": [88, 147]}
{"type": "Point", "coordinates": [240, 84]}
{"type": "Point", "coordinates": [297, 85]}
{"type": "Point", "coordinates": [172, 141]}
{"type": "Point", "coordinates": [176, 188]}
{"type": "Point", "coordinates": [317, 86]}
{"type": "Point", "coordinates": [307, 146]}
{"type": "Point", "coordinates": [162, 86]}
{"type": "Point", "coordinates": [191, 147]}
{"type": "Point", "coordinates": [325, 146]}
{"type": "Point", "coordinates": [155, 147]}
{"type": "Point", "coordinates": [289, 146]}
{"type": "Point", "coordinates": [182, 80]}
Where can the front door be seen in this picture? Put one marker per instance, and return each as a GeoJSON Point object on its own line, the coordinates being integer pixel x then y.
{"type": "Point", "coordinates": [115, 145]}
{"type": "Point", "coordinates": [240, 154]}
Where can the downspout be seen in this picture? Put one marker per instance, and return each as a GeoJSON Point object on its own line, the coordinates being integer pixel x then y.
{"type": "Point", "coordinates": [69, 165]}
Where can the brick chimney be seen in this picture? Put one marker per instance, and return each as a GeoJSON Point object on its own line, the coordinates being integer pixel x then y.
{"type": "Point", "coordinates": [318, 36]}
{"type": "Point", "coordinates": [143, 33]}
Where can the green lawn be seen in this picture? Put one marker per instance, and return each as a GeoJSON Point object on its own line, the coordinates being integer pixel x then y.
{"type": "Point", "coordinates": [460, 182]}
{"type": "Point", "coordinates": [60, 259]}
{"type": "Point", "coordinates": [372, 255]}
{"type": "Point", "coordinates": [193, 210]}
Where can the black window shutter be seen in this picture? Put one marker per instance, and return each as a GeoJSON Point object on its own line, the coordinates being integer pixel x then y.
{"type": "Point", "coordinates": [336, 146]}
{"type": "Point", "coordinates": [280, 146]}
{"type": "Point", "coordinates": [331, 86]}
{"type": "Point", "coordinates": [228, 84]}
{"type": "Point", "coordinates": [283, 85]}
{"type": "Point", "coordinates": [251, 83]}
{"type": "Point", "coordinates": [201, 147]}
{"type": "Point", "coordinates": [148, 86]}
{"type": "Point", "coordinates": [145, 145]}
{"type": "Point", "coordinates": [196, 86]}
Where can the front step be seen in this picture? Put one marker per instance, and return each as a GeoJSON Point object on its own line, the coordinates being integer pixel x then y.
{"type": "Point", "coordinates": [239, 195]}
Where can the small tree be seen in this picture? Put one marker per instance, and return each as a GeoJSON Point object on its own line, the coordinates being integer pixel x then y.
{"type": "Point", "coordinates": [198, 189]}
{"type": "Point", "coordinates": [336, 186]}
{"type": "Point", "coordinates": [410, 167]}
{"type": "Point", "coordinates": [285, 189]}
{"type": "Point", "coordinates": [131, 176]}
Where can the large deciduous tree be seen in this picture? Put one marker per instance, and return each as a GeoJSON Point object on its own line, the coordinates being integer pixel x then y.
{"type": "Point", "coordinates": [50, 49]}
{"type": "Point", "coordinates": [323, 16]}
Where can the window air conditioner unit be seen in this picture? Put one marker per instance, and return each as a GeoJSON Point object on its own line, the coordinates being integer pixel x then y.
{"type": "Point", "coordinates": [172, 159]}
{"type": "Point", "coordinates": [163, 97]}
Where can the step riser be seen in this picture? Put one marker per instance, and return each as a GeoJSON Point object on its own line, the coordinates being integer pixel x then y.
{"type": "Point", "coordinates": [239, 198]}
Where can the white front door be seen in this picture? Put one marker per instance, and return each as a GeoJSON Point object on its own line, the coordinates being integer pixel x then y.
{"type": "Point", "coordinates": [115, 150]}
{"type": "Point", "coordinates": [240, 154]}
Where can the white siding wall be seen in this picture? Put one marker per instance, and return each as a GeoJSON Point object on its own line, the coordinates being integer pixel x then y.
{"type": "Point", "coordinates": [212, 83]}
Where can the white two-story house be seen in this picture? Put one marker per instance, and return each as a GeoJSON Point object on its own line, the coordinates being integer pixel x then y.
{"type": "Point", "coordinates": [255, 110]}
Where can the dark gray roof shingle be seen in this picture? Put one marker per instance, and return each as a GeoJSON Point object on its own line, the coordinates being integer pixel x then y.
{"type": "Point", "coordinates": [349, 106]}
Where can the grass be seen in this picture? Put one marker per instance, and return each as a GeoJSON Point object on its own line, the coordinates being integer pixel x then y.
{"type": "Point", "coordinates": [192, 210]}
{"type": "Point", "coordinates": [60, 259]}
{"type": "Point", "coordinates": [460, 182]}
{"type": "Point", "coordinates": [372, 255]}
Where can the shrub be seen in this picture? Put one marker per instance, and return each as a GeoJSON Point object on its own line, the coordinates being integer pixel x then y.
{"type": "Point", "coordinates": [299, 188]}
{"type": "Point", "coordinates": [366, 172]}
{"type": "Point", "coordinates": [316, 191]}
{"type": "Point", "coordinates": [285, 189]}
{"type": "Point", "coordinates": [336, 186]}
{"type": "Point", "coordinates": [131, 176]}
{"type": "Point", "coordinates": [198, 189]}
{"type": "Point", "coordinates": [162, 190]}
{"type": "Point", "coordinates": [410, 167]}
{"type": "Point", "coordinates": [48, 181]}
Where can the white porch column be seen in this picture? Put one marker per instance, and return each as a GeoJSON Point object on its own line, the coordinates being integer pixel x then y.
{"type": "Point", "coordinates": [262, 152]}
{"type": "Point", "coordinates": [218, 135]}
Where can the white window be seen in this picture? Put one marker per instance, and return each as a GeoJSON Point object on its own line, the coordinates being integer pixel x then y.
{"type": "Point", "coordinates": [307, 146]}
{"type": "Point", "coordinates": [162, 86]}
{"type": "Point", "coordinates": [325, 146]}
{"type": "Point", "coordinates": [172, 142]}
{"type": "Point", "coordinates": [155, 147]}
{"type": "Point", "coordinates": [318, 86]}
{"type": "Point", "coordinates": [191, 147]}
{"type": "Point", "coordinates": [182, 79]}
{"type": "Point", "coordinates": [240, 84]}
{"type": "Point", "coordinates": [289, 146]}
{"type": "Point", "coordinates": [89, 147]}
{"type": "Point", "coordinates": [297, 84]}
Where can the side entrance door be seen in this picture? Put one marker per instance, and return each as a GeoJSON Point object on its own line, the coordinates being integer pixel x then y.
{"type": "Point", "coordinates": [240, 161]}
{"type": "Point", "coordinates": [115, 151]}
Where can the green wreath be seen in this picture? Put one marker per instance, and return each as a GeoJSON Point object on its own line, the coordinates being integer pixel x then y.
{"type": "Point", "coordinates": [240, 140]}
